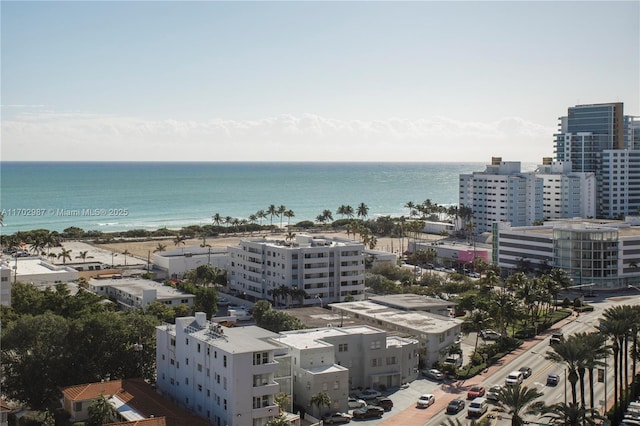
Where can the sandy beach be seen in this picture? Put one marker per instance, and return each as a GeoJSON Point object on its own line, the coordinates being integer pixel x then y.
{"type": "Point", "coordinates": [141, 249]}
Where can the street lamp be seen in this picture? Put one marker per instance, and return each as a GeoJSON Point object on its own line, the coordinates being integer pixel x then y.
{"type": "Point", "coordinates": [636, 288]}
{"type": "Point", "coordinates": [112, 256]}
{"type": "Point", "coordinates": [319, 298]}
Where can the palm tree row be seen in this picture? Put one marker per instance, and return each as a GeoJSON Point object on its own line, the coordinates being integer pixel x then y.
{"type": "Point", "coordinates": [283, 292]}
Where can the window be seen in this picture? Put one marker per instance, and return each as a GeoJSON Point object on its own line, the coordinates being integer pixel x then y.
{"type": "Point", "coordinates": [198, 347]}
{"type": "Point", "coordinates": [186, 381]}
{"type": "Point", "coordinates": [225, 404]}
{"type": "Point", "coordinates": [173, 342]}
{"type": "Point", "coordinates": [224, 360]}
{"type": "Point", "coordinates": [336, 385]}
{"type": "Point", "coordinates": [260, 358]}
{"type": "Point", "coordinates": [391, 360]}
{"type": "Point", "coordinates": [260, 401]}
{"type": "Point", "coordinates": [199, 388]}
{"type": "Point", "coordinates": [343, 347]}
{"type": "Point", "coordinates": [186, 341]}
{"type": "Point", "coordinates": [186, 361]}
{"type": "Point", "coordinates": [200, 367]}
{"type": "Point", "coordinates": [77, 406]}
{"type": "Point", "coordinates": [224, 383]}
{"type": "Point", "coordinates": [376, 345]}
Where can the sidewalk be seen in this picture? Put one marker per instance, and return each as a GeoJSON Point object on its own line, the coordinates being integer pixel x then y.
{"type": "Point", "coordinates": [444, 394]}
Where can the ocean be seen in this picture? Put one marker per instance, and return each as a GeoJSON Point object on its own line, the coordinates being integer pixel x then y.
{"type": "Point", "coordinates": [116, 196]}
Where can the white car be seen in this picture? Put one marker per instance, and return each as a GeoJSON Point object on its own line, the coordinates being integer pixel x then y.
{"type": "Point", "coordinates": [369, 394]}
{"type": "Point", "coordinates": [433, 374]}
{"type": "Point", "coordinates": [356, 402]}
{"type": "Point", "coordinates": [426, 400]}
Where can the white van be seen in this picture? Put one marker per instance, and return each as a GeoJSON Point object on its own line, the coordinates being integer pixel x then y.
{"type": "Point", "coordinates": [478, 407]}
{"type": "Point", "coordinates": [514, 378]}
{"type": "Point", "coordinates": [455, 360]}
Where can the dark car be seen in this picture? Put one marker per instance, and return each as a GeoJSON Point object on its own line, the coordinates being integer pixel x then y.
{"type": "Point", "coordinates": [338, 417]}
{"type": "Point", "coordinates": [367, 412]}
{"type": "Point", "coordinates": [553, 379]}
{"type": "Point", "coordinates": [526, 372]}
{"type": "Point", "coordinates": [556, 338]}
{"type": "Point", "coordinates": [455, 406]}
{"type": "Point", "coordinates": [385, 403]}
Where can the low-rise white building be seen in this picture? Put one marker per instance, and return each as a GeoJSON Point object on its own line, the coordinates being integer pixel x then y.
{"type": "Point", "coordinates": [415, 302]}
{"type": "Point", "coordinates": [327, 269]}
{"type": "Point", "coordinates": [369, 356]}
{"type": "Point", "coordinates": [39, 272]}
{"type": "Point", "coordinates": [133, 293]}
{"type": "Point", "coordinates": [434, 333]}
{"type": "Point", "coordinates": [5, 285]}
{"type": "Point", "coordinates": [174, 264]}
{"type": "Point", "coordinates": [229, 376]}
{"type": "Point", "coordinates": [604, 254]}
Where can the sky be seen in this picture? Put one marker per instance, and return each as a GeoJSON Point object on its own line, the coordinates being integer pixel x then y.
{"type": "Point", "coordinates": [307, 81]}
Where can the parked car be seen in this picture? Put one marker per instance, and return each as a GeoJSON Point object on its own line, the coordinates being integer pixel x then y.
{"type": "Point", "coordinates": [493, 391]}
{"type": "Point", "coordinates": [385, 403]}
{"type": "Point", "coordinates": [433, 374]}
{"type": "Point", "coordinates": [553, 379]}
{"type": "Point", "coordinates": [526, 372]}
{"type": "Point", "coordinates": [454, 360]}
{"type": "Point", "coordinates": [476, 392]}
{"type": "Point", "coordinates": [490, 335]}
{"type": "Point", "coordinates": [473, 275]}
{"type": "Point", "coordinates": [455, 406]}
{"type": "Point", "coordinates": [368, 412]}
{"type": "Point", "coordinates": [426, 400]}
{"type": "Point", "coordinates": [338, 417]}
{"type": "Point", "coordinates": [356, 402]}
{"type": "Point", "coordinates": [369, 394]}
{"type": "Point", "coordinates": [478, 407]}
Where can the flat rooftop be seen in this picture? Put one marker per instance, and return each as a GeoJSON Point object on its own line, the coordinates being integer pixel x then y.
{"type": "Point", "coordinates": [312, 338]}
{"type": "Point", "coordinates": [420, 321]}
{"type": "Point", "coordinates": [135, 287]}
{"type": "Point", "coordinates": [37, 266]}
{"type": "Point", "coordinates": [411, 301]}
{"type": "Point", "coordinates": [624, 229]}
{"type": "Point", "coordinates": [316, 317]}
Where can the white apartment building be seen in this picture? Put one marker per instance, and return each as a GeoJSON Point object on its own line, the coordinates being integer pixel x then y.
{"type": "Point", "coordinates": [604, 254]}
{"type": "Point", "coordinates": [327, 269]}
{"type": "Point", "coordinates": [434, 333]}
{"type": "Point", "coordinates": [358, 357]}
{"type": "Point", "coordinates": [174, 264]}
{"type": "Point", "coordinates": [228, 376]}
{"type": "Point", "coordinates": [134, 293]}
{"type": "Point", "coordinates": [5, 285]}
{"type": "Point", "coordinates": [566, 194]}
{"type": "Point", "coordinates": [502, 193]}
{"type": "Point", "coordinates": [619, 183]}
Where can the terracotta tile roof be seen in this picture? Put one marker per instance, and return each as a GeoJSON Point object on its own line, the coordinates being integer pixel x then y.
{"type": "Point", "coordinates": [140, 396]}
{"type": "Point", "coordinates": [91, 390]}
{"type": "Point", "coordinates": [156, 421]}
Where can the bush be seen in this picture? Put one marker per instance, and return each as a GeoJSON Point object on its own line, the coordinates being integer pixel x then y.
{"type": "Point", "coordinates": [566, 302]}
{"type": "Point", "coordinates": [305, 224]}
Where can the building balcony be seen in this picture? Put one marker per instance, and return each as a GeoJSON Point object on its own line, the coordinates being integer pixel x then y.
{"type": "Point", "coordinates": [269, 410]}
{"type": "Point", "coordinates": [269, 367]}
{"type": "Point", "coordinates": [269, 388]}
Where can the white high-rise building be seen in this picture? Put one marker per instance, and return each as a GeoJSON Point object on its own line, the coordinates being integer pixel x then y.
{"type": "Point", "coordinates": [502, 193]}
{"type": "Point", "coordinates": [327, 269]}
{"type": "Point", "coordinates": [228, 376]}
{"type": "Point", "coordinates": [566, 194]}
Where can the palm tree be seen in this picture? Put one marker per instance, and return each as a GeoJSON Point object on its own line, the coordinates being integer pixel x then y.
{"type": "Point", "coordinates": [519, 401]}
{"type": "Point", "coordinates": [290, 236]}
{"type": "Point", "coordinates": [65, 254]}
{"type": "Point", "coordinates": [571, 352]}
{"type": "Point", "coordinates": [411, 206]}
{"type": "Point", "coordinates": [341, 211]}
{"type": "Point", "coordinates": [328, 217]}
{"type": "Point", "coordinates": [82, 255]}
{"type": "Point", "coordinates": [160, 248]}
{"type": "Point", "coordinates": [126, 253]}
{"type": "Point", "coordinates": [217, 219]}
{"type": "Point", "coordinates": [261, 214]}
{"type": "Point", "coordinates": [476, 320]}
{"type": "Point", "coordinates": [179, 240]}
{"type": "Point", "coordinates": [320, 399]}
{"type": "Point", "coordinates": [272, 211]}
{"type": "Point", "coordinates": [348, 211]}
{"type": "Point", "coordinates": [289, 214]}
{"type": "Point", "coordinates": [281, 211]}
{"type": "Point", "coordinates": [362, 211]}
{"type": "Point", "coordinates": [101, 411]}
{"type": "Point", "coordinates": [283, 401]}
{"type": "Point", "coordinates": [573, 415]}
{"type": "Point", "coordinates": [228, 220]}
{"type": "Point", "coordinates": [596, 349]}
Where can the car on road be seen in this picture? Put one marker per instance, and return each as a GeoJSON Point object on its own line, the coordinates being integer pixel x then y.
{"type": "Point", "coordinates": [553, 379]}
{"type": "Point", "coordinates": [433, 374]}
{"type": "Point", "coordinates": [526, 372]}
{"type": "Point", "coordinates": [514, 378]}
{"type": "Point", "coordinates": [385, 403]}
{"type": "Point", "coordinates": [367, 412]}
{"type": "Point", "coordinates": [478, 407]}
{"type": "Point", "coordinates": [455, 406]}
{"type": "Point", "coordinates": [425, 401]}
{"type": "Point", "coordinates": [556, 338]}
{"type": "Point", "coordinates": [369, 394]}
{"type": "Point", "coordinates": [356, 402]}
{"type": "Point", "coordinates": [476, 392]}
{"type": "Point", "coordinates": [492, 393]}
{"type": "Point", "coordinates": [490, 335]}
{"type": "Point", "coordinates": [337, 417]}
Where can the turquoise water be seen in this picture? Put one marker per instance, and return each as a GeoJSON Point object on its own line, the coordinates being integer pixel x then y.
{"type": "Point", "coordinates": [113, 196]}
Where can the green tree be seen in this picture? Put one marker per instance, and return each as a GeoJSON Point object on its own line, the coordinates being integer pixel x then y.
{"type": "Point", "coordinates": [362, 211]}
{"type": "Point", "coordinates": [101, 411]}
{"type": "Point", "coordinates": [518, 401]}
{"type": "Point", "coordinates": [320, 399]}
{"type": "Point", "coordinates": [573, 415]}
{"type": "Point", "coordinates": [570, 352]}
{"type": "Point", "coordinates": [65, 254]}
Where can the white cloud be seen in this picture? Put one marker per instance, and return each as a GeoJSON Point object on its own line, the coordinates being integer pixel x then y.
{"type": "Point", "coordinates": [306, 137]}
